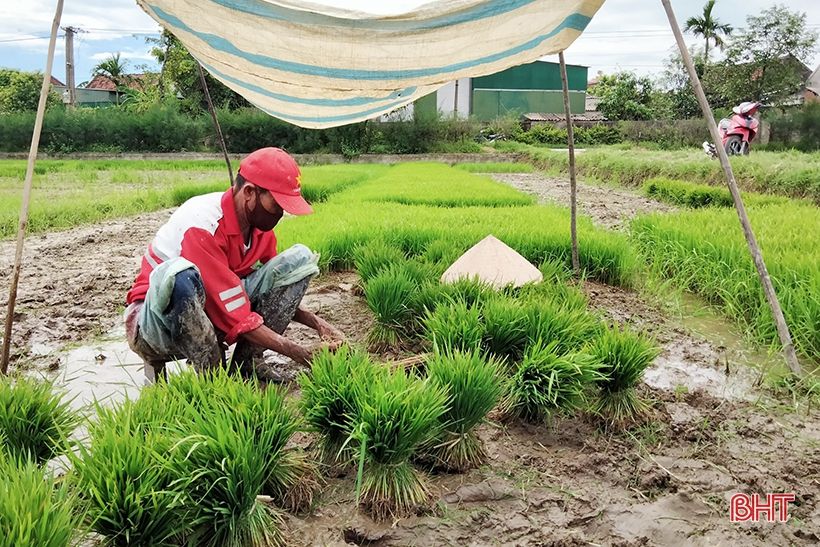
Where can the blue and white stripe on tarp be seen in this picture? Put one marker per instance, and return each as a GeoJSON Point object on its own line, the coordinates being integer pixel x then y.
{"type": "Point", "coordinates": [317, 66]}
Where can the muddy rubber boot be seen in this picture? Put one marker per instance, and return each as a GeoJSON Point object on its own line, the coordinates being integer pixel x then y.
{"type": "Point", "coordinates": [277, 308]}
{"type": "Point", "coordinates": [154, 372]}
{"type": "Point", "coordinates": [192, 330]}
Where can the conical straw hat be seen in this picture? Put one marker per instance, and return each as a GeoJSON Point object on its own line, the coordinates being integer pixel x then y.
{"type": "Point", "coordinates": [495, 263]}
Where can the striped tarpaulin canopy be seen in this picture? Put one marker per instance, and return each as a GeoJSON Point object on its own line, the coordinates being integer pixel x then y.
{"type": "Point", "coordinates": [317, 66]}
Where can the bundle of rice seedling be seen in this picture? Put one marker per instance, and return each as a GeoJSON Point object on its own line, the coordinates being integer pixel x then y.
{"type": "Point", "coordinates": [231, 437]}
{"type": "Point", "coordinates": [296, 481]}
{"type": "Point", "coordinates": [395, 415]}
{"type": "Point", "coordinates": [36, 510]}
{"type": "Point", "coordinates": [388, 294]}
{"type": "Point", "coordinates": [374, 256]}
{"type": "Point", "coordinates": [473, 385]}
{"type": "Point", "coordinates": [472, 292]}
{"type": "Point", "coordinates": [549, 383]}
{"type": "Point", "coordinates": [454, 327]}
{"type": "Point", "coordinates": [329, 398]}
{"type": "Point", "coordinates": [133, 497]}
{"type": "Point", "coordinates": [34, 420]}
{"type": "Point", "coordinates": [565, 326]}
{"type": "Point", "coordinates": [505, 329]}
{"type": "Point", "coordinates": [624, 357]}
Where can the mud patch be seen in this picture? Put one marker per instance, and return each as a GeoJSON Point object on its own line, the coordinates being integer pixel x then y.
{"type": "Point", "coordinates": [709, 357]}
{"type": "Point", "coordinates": [608, 207]}
{"type": "Point", "coordinates": [73, 283]}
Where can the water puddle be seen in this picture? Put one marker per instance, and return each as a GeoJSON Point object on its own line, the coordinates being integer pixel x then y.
{"type": "Point", "coordinates": [105, 372]}
{"type": "Point", "coordinates": [716, 359]}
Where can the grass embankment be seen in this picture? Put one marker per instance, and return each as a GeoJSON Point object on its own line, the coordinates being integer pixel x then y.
{"type": "Point", "coordinates": [792, 174]}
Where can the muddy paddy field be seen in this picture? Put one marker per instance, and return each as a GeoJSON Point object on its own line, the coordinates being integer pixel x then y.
{"type": "Point", "coordinates": [714, 428]}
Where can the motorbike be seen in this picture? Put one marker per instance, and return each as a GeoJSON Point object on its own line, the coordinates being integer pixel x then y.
{"type": "Point", "coordinates": [737, 132]}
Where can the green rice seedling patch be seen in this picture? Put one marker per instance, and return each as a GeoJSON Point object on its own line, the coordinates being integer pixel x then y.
{"type": "Point", "coordinates": [704, 251]}
{"type": "Point", "coordinates": [395, 415]}
{"type": "Point", "coordinates": [537, 232]}
{"type": "Point", "coordinates": [36, 509]}
{"type": "Point", "coordinates": [474, 385]}
{"type": "Point", "coordinates": [685, 194]}
{"type": "Point", "coordinates": [211, 443]}
{"type": "Point", "coordinates": [35, 421]}
{"type": "Point", "coordinates": [321, 182]}
{"type": "Point", "coordinates": [437, 185]}
{"type": "Point", "coordinates": [624, 357]}
{"type": "Point", "coordinates": [491, 167]}
{"type": "Point", "coordinates": [329, 399]}
{"type": "Point", "coordinates": [547, 383]}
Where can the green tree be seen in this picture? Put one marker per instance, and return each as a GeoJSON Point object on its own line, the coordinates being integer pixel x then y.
{"type": "Point", "coordinates": [20, 91]}
{"type": "Point", "coordinates": [709, 27]}
{"type": "Point", "coordinates": [676, 98]}
{"type": "Point", "coordinates": [624, 96]}
{"type": "Point", "coordinates": [765, 62]}
{"type": "Point", "coordinates": [114, 68]}
{"type": "Point", "coordinates": [180, 75]}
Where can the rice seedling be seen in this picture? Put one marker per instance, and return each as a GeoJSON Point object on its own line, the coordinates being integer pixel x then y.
{"type": "Point", "coordinates": [547, 383]}
{"type": "Point", "coordinates": [329, 399]}
{"type": "Point", "coordinates": [471, 292]}
{"type": "Point", "coordinates": [565, 326]}
{"type": "Point", "coordinates": [229, 447]}
{"type": "Point", "coordinates": [36, 510]}
{"type": "Point", "coordinates": [624, 356]}
{"type": "Point", "coordinates": [505, 329]}
{"type": "Point", "coordinates": [297, 481]}
{"type": "Point", "coordinates": [703, 251]}
{"type": "Point", "coordinates": [35, 421]}
{"type": "Point", "coordinates": [132, 496]}
{"type": "Point", "coordinates": [394, 416]}
{"type": "Point", "coordinates": [473, 385]}
{"type": "Point", "coordinates": [454, 327]}
{"type": "Point", "coordinates": [373, 257]}
{"type": "Point", "coordinates": [388, 295]}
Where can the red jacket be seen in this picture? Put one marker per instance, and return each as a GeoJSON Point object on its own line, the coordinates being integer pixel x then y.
{"type": "Point", "coordinates": [205, 231]}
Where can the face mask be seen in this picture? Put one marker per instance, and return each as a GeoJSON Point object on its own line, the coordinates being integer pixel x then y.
{"type": "Point", "coordinates": [261, 218]}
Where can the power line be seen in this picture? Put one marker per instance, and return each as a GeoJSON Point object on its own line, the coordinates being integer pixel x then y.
{"type": "Point", "coordinates": [27, 38]}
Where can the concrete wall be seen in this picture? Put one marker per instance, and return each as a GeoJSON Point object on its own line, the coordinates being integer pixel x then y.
{"type": "Point", "coordinates": [446, 98]}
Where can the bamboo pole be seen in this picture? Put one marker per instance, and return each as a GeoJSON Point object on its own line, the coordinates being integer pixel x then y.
{"type": "Point", "coordinates": [215, 120]}
{"type": "Point", "coordinates": [754, 249]}
{"type": "Point", "coordinates": [576, 263]}
{"type": "Point", "coordinates": [32, 156]}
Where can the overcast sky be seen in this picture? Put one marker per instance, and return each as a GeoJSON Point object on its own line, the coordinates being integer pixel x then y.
{"type": "Point", "coordinates": [624, 35]}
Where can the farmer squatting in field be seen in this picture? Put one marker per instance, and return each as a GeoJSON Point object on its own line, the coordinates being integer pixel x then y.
{"type": "Point", "coordinates": [211, 275]}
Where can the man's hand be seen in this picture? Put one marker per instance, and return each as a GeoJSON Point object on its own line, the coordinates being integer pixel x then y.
{"type": "Point", "coordinates": [325, 330]}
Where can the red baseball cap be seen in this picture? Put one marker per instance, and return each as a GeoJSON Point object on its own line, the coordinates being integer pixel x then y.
{"type": "Point", "coordinates": [276, 171]}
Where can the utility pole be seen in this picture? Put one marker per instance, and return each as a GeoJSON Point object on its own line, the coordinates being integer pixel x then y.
{"type": "Point", "coordinates": [69, 65]}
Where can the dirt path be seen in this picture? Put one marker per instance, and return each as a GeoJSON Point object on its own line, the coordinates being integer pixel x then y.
{"type": "Point", "coordinates": [608, 207]}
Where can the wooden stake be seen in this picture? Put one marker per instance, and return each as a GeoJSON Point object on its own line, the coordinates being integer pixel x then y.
{"type": "Point", "coordinates": [215, 120]}
{"type": "Point", "coordinates": [576, 263]}
{"type": "Point", "coordinates": [32, 156]}
{"type": "Point", "coordinates": [754, 249]}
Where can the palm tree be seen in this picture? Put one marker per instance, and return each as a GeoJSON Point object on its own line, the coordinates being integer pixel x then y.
{"type": "Point", "coordinates": [112, 68]}
{"type": "Point", "coordinates": [708, 27]}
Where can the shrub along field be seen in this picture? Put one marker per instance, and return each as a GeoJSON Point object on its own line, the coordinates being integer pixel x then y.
{"type": "Point", "coordinates": [793, 174]}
